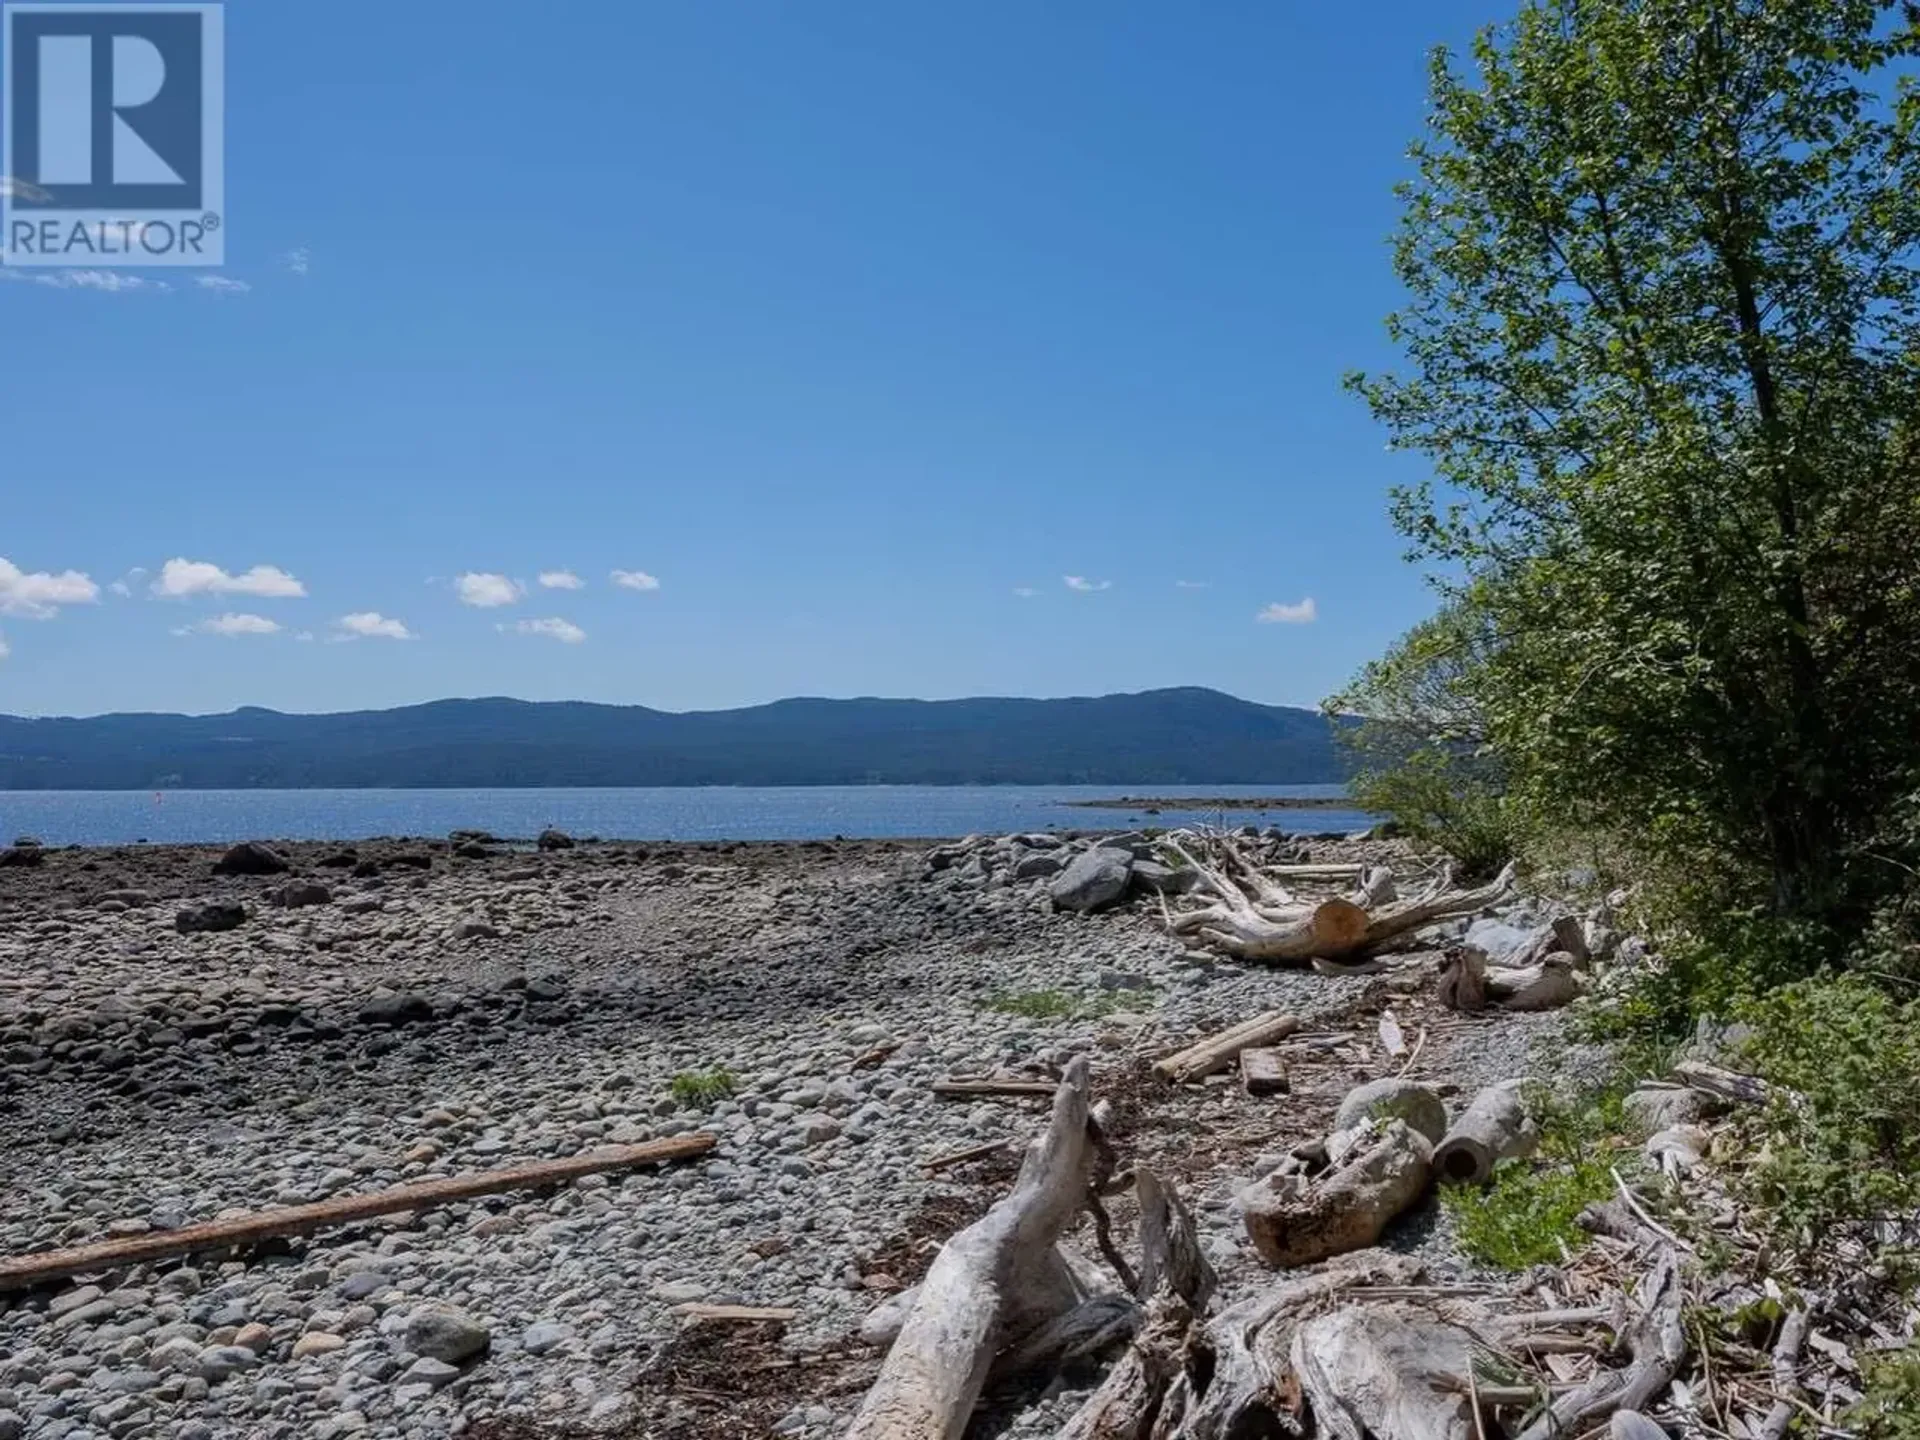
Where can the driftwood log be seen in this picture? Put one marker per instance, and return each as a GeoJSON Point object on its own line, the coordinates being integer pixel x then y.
{"type": "Point", "coordinates": [1657, 1342]}
{"type": "Point", "coordinates": [992, 1285]}
{"type": "Point", "coordinates": [1293, 1220]}
{"type": "Point", "coordinates": [1175, 1284]}
{"type": "Point", "coordinates": [25, 1271]}
{"type": "Point", "coordinates": [1217, 1052]}
{"type": "Point", "coordinates": [1493, 1128]}
{"type": "Point", "coordinates": [1547, 984]}
{"type": "Point", "coordinates": [1386, 1370]}
{"type": "Point", "coordinates": [1250, 915]}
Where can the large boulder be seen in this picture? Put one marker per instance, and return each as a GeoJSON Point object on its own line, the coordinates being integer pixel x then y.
{"type": "Point", "coordinates": [250, 858]}
{"type": "Point", "coordinates": [552, 839]}
{"type": "Point", "coordinates": [22, 857]}
{"type": "Point", "coordinates": [1163, 879]}
{"type": "Point", "coordinates": [1390, 1099]}
{"type": "Point", "coordinates": [210, 917]}
{"type": "Point", "coordinates": [1096, 878]}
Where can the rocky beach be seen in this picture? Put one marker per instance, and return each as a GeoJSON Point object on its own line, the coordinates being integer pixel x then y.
{"type": "Point", "coordinates": [188, 1033]}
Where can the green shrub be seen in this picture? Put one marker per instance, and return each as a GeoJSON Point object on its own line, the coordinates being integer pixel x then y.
{"type": "Point", "coordinates": [1889, 1409]}
{"type": "Point", "coordinates": [1840, 1134]}
{"type": "Point", "coordinates": [1526, 1215]}
{"type": "Point", "coordinates": [1448, 802]}
{"type": "Point", "coordinates": [701, 1088]}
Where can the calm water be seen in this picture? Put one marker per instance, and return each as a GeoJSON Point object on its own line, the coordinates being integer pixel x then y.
{"type": "Point", "coordinates": [121, 817]}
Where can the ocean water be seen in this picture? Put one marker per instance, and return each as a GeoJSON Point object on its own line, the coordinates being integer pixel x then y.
{"type": "Point", "coordinates": [124, 817]}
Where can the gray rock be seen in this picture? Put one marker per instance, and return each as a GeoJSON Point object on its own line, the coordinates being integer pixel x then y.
{"type": "Point", "coordinates": [210, 917]}
{"type": "Point", "coordinates": [551, 839]}
{"type": "Point", "coordinates": [544, 1336]}
{"type": "Point", "coordinates": [428, 1371]}
{"type": "Point", "coordinates": [1501, 943]}
{"type": "Point", "coordinates": [1163, 879]}
{"type": "Point", "coordinates": [1095, 879]}
{"type": "Point", "coordinates": [224, 1360]}
{"type": "Point", "coordinates": [443, 1333]}
{"type": "Point", "coordinates": [406, 1009]}
{"type": "Point", "coordinates": [1394, 1100]}
{"type": "Point", "coordinates": [250, 858]}
{"type": "Point", "coordinates": [1038, 866]}
{"type": "Point", "coordinates": [298, 894]}
{"type": "Point", "coordinates": [73, 1299]}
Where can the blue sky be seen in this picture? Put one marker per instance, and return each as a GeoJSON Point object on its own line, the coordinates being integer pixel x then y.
{"type": "Point", "coordinates": [847, 331]}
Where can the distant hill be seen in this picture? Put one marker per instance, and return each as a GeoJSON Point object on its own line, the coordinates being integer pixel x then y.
{"type": "Point", "coordinates": [1161, 737]}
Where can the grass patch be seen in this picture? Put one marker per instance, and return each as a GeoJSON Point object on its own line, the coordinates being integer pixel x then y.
{"type": "Point", "coordinates": [1052, 1005]}
{"type": "Point", "coordinates": [1526, 1215]}
{"type": "Point", "coordinates": [700, 1088]}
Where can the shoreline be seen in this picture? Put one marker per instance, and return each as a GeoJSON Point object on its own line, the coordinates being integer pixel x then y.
{"type": "Point", "coordinates": [1153, 804]}
{"type": "Point", "coordinates": [423, 1013]}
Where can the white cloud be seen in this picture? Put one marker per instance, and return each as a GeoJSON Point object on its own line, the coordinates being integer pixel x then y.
{"type": "Point", "coordinates": [484, 591]}
{"type": "Point", "coordinates": [565, 631]}
{"type": "Point", "coordinates": [180, 577]}
{"type": "Point", "coordinates": [561, 580]}
{"type": "Point", "coordinates": [1305, 613]}
{"type": "Point", "coordinates": [4, 651]}
{"type": "Point", "coordinates": [1086, 586]}
{"type": "Point", "coordinates": [298, 261]}
{"type": "Point", "coordinates": [635, 580]}
{"type": "Point", "coordinates": [372, 625]}
{"type": "Point", "coordinates": [221, 285]}
{"type": "Point", "coordinates": [1193, 584]}
{"type": "Point", "coordinates": [232, 625]}
{"type": "Point", "coordinates": [112, 281]}
{"type": "Point", "coordinates": [39, 596]}
{"type": "Point", "coordinates": [1025, 592]}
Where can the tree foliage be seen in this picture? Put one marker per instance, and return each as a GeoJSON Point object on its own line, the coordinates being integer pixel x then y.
{"type": "Point", "coordinates": [1419, 749]}
{"type": "Point", "coordinates": [1663, 350]}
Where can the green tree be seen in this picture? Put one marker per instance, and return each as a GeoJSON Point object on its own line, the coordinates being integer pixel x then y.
{"type": "Point", "coordinates": [1417, 738]}
{"type": "Point", "coordinates": [1663, 334]}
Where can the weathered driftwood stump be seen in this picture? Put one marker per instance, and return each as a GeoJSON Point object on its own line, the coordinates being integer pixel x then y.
{"type": "Point", "coordinates": [992, 1285]}
{"type": "Point", "coordinates": [1296, 1221]}
{"type": "Point", "coordinates": [1386, 1371]}
{"type": "Point", "coordinates": [1249, 915]}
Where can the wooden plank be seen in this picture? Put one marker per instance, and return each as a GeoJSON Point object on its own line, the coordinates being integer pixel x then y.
{"type": "Point", "coordinates": [993, 1087]}
{"type": "Point", "coordinates": [24, 1271]}
{"type": "Point", "coordinates": [1216, 1052]}
{"type": "Point", "coordinates": [1263, 1072]}
{"type": "Point", "coordinates": [698, 1313]}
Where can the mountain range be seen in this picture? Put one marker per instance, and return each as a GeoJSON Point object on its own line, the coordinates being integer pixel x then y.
{"type": "Point", "coordinates": [1160, 737]}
